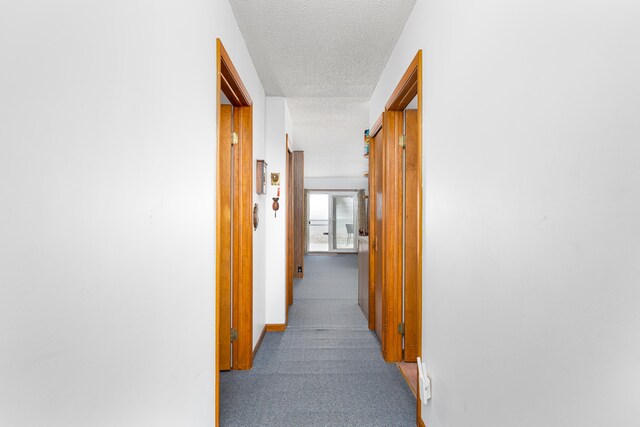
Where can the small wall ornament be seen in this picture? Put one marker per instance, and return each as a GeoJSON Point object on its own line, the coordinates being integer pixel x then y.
{"type": "Point", "coordinates": [261, 177]}
{"type": "Point", "coordinates": [275, 178]}
{"type": "Point", "coordinates": [256, 217]}
{"type": "Point", "coordinates": [275, 205]}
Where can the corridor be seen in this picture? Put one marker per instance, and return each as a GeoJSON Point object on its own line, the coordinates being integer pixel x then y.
{"type": "Point", "coordinates": [325, 369]}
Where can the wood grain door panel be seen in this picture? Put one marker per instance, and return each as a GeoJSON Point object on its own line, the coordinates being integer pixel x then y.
{"type": "Point", "coordinates": [378, 237]}
{"type": "Point", "coordinates": [298, 207]}
{"type": "Point", "coordinates": [223, 257]}
{"type": "Point", "coordinates": [372, 233]}
{"type": "Point", "coordinates": [242, 287]}
{"type": "Point", "coordinates": [289, 228]}
{"type": "Point", "coordinates": [413, 236]}
{"type": "Point", "coordinates": [392, 236]}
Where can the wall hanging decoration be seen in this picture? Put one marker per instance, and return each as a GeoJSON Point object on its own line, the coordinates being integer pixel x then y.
{"type": "Point", "coordinates": [256, 217]}
{"type": "Point", "coordinates": [275, 205]}
{"type": "Point", "coordinates": [367, 138]}
{"type": "Point", "coordinates": [261, 177]}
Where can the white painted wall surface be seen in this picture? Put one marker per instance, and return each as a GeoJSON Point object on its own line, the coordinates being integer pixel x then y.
{"type": "Point", "coordinates": [107, 195]}
{"type": "Point", "coordinates": [532, 237]}
{"type": "Point", "coordinates": [288, 125]}
{"type": "Point", "coordinates": [336, 183]}
{"type": "Point", "coordinates": [275, 253]}
{"type": "Point", "coordinates": [227, 30]}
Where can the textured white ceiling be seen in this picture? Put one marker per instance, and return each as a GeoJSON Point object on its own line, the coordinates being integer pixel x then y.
{"type": "Point", "coordinates": [314, 52]}
{"type": "Point", "coordinates": [330, 132]}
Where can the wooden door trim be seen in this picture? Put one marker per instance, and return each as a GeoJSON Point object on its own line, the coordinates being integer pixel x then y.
{"type": "Point", "coordinates": [299, 241]}
{"type": "Point", "coordinates": [372, 228]}
{"type": "Point", "coordinates": [377, 127]}
{"type": "Point", "coordinates": [392, 237]}
{"type": "Point", "coordinates": [276, 327]}
{"type": "Point", "coordinates": [223, 233]}
{"type": "Point", "coordinates": [412, 226]}
{"type": "Point", "coordinates": [289, 230]}
{"type": "Point", "coordinates": [377, 198]}
{"type": "Point", "coordinates": [375, 139]}
{"type": "Point", "coordinates": [228, 81]}
{"type": "Point", "coordinates": [243, 236]}
{"type": "Point", "coordinates": [419, 173]}
{"type": "Point", "coordinates": [407, 88]}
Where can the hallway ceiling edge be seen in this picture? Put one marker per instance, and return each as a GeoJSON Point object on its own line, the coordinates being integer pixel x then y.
{"type": "Point", "coordinates": [313, 52]}
{"type": "Point", "coordinates": [329, 131]}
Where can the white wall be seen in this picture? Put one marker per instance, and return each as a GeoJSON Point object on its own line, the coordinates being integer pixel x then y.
{"type": "Point", "coordinates": [277, 121]}
{"type": "Point", "coordinates": [336, 183]}
{"type": "Point", "coordinates": [288, 125]}
{"type": "Point", "coordinates": [227, 30]}
{"type": "Point", "coordinates": [107, 195]}
{"type": "Point", "coordinates": [532, 237]}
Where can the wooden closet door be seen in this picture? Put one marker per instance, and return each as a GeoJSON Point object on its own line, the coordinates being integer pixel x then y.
{"type": "Point", "coordinates": [377, 236]}
{"type": "Point", "coordinates": [413, 268]}
{"type": "Point", "coordinates": [392, 154]}
{"type": "Point", "coordinates": [242, 286]}
{"type": "Point", "coordinates": [223, 257]}
{"type": "Point", "coordinates": [372, 233]}
{"type": "Point", "coordinates": [289, 228]}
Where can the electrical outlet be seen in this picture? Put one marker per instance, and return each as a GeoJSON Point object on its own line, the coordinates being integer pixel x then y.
{"type": "Point", "coordinates": [427, 387]}
{"type": "Point", "coordinates": [424, 382]}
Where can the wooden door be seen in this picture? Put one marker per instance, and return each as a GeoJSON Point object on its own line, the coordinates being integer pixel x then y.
{"type": "Point", "coordinates": [372, 233]}
{"type": "Point", "coordinates": [234, 223]}
{"type": "Point", "coordinates": [223, 257]}
{"type": "Point", "coordinates": [392, 154]}
{"type": "Point", "coordinates": [412, 230]}
{"type": "Point", "coordinates": [289, 227]}
{"type": "Point", "coordinates": [298, 213]}
{"type": "Point", "coordinates": [242, 285]}
{"type": "Point", "coordinates": [234, 258]}
{"type": "Point", "coordinates": [377, 237]}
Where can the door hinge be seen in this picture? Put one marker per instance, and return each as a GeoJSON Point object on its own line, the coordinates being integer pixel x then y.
{"type": "Point", "coordinates": [234, 334]}
{"type": "Point", "coordinates": [401, 328]}
{"type": "Point", "coordinates": [234, 138]}
{"type": "Point", "coordinates": [402, 141]}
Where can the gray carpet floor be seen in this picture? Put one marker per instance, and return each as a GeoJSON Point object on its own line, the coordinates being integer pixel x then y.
{"type": "Point", "coordinates": [325, 369]}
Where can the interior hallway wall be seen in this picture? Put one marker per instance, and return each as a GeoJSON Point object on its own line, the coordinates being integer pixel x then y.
{"type": "Point", "coordinates": [227, 30]}
{"type": "Point", "coordinates": [107, 218]}
{"type": "Point", "coordinates": [336, 183]}
{"type": "Point", "coordinates": [531, 209]}
{"type": "Point", "coordinates": [278, 125]}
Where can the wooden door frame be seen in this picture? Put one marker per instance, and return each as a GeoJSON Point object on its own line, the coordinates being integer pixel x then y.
{"type": "Point", "coordinates": [289, 229]}
{"type": "Point", "coordinates": [409, 86]}
{"type": "Point", "coordinates": [228, 81]}
{"type": "Point", "coordinates": [297, 185]}
{"type": "Point", "coordinates": [374, 132]}
{"type": "Point", "coordinates": [392, 222]}
{"type": "Point", "coordinates": [412, 232]}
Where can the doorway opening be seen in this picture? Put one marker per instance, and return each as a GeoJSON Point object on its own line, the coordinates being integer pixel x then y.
{"type": "Point", "coordinates": [395, 222]}
{"type": "Point", "coordinates": [332, 221]}
{"type": "Point", "coordinates": [234, 222]}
